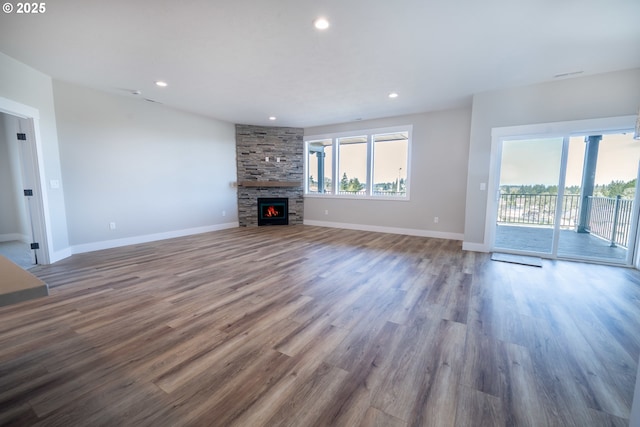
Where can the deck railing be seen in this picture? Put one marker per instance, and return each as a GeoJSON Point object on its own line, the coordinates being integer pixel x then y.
{"type": "Point", "coordinates": [375, 193]}
{"type": "Point", "coordinates": [538, 209]}
{"type": "Point", "coordinates": [353, 193]}
{"type": "Point", "coordinates": [608, 218]}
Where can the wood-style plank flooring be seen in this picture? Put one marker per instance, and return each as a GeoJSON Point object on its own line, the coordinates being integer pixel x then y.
{"type": "Point", "coordinates": [308, 326]}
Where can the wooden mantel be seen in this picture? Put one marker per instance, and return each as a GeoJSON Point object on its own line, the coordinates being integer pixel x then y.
{"type": "Point", "coordinates": [269, 184]}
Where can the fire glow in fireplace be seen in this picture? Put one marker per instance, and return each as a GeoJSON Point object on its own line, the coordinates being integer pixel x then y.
{"type": "Point", "coordinates": [273, 211]}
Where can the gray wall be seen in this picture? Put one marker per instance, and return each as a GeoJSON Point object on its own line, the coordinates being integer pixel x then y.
{"type": "Point", "coordinates": [27, 86]}
{"type": "Point", "coordinates": [604, 95]}
{"type": "Point", "coordinates": [148, 168]}
{"type": "Point", "coordinates": [439, 154]}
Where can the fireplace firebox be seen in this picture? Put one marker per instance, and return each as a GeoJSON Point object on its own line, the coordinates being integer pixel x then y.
{"type": "Point", "coordinates": [273, 211]}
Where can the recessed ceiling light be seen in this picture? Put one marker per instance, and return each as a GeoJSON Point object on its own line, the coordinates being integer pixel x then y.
{"type": "Point", "coordinates": [161, 83]}
{"type": "Point", "coordinates": [272, 118]}
{"type": "Point", "coordinates": [393, 95]}
{"type": "Point", "coordinates": [321, 23]}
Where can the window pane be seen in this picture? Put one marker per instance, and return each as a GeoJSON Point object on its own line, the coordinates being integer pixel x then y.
{"type": "Point", "coordinates": [320, 159]}
{"type": "Point", "coordinates": [390, 154]}
{"type": "Point", "coordinates": [352, 168]}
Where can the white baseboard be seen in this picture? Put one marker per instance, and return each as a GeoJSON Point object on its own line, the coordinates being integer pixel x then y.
{"type": "Point", "coordinates": [115, 243]}
{"type": "Point", "coordinates": [475, 247]}
{"type": "Point", "coordinates": [60, 255]}
{"type": "Point", "coordinates": [14, 237]}
{"type": "Point", "coordinates": [391, 230]}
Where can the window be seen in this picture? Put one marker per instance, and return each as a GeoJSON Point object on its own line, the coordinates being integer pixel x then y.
{"type": "Point", "coordinates": [365, 164]}
{"type": "Point", "coordinates": [319, 161]}
{"type": "Point", "coordinates": [352, 165]}
{"type": "Point", "coordinates": [390, 154]}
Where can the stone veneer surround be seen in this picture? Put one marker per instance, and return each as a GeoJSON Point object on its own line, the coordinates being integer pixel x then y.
{"type": "Point", "coordinates": [253, 145]}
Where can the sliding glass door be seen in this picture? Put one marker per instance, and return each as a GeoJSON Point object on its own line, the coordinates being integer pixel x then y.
{"type": "Point", "coordinates": [528, 191]}
{"type": "Point", "coordinates": [568, 197]}
{"type": "Point", "coordinates": [602, 174]}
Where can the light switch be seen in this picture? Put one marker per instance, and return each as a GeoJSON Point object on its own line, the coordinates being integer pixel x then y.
{"type": "Point", "coordinates": [54, 183]}
{"type": "Point", "coordinates": [483, 186]}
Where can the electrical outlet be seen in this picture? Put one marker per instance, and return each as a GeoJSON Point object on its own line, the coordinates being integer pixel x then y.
{"type": "Point", "coordinates": [266, 159]}
{"type": "Point", "coordinates": [112, 226]}
{"type": "Point", "coordinates": [326, 212]}
{"type": "Point", "coordinates": [224, 213]}
{"type": "Point", "coordinates": [436, 219]}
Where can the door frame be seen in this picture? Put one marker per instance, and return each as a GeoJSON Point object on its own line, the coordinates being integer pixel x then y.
{"type": "Point", "coordinates": [35, 169]}
{"type": "Point", "coordinates": [563, 129]}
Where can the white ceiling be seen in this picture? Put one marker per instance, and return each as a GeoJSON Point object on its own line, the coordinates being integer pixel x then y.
{"type": "Point", "coordinates": [245, 60]}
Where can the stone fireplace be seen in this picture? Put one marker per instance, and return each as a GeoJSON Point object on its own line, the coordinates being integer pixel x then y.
{"type": "Point", "coordinates": [270, 164]}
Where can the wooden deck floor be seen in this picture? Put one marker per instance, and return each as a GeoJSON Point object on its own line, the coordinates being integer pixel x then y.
{"type": "Point", "coordinates": [308, 326]}
{"type": "Point", "coordinates": [570, 243]}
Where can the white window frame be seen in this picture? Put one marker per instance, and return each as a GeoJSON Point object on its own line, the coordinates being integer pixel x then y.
{"type": "Point", "coordinates": [369, 133]}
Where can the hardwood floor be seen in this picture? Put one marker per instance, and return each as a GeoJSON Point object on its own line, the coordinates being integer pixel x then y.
{"type": "Point", "coordinates": [305, 326]}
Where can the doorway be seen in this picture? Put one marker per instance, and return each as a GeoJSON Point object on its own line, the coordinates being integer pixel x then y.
{"type": "Point", "coordinates": [24, 223]}
{"type": "Point", "coordinates": [16, 233]}
{"type": "Point", "coordinates": [568, 197]}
